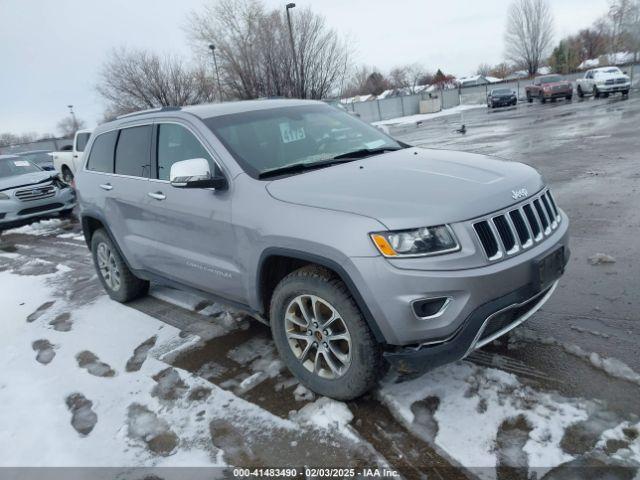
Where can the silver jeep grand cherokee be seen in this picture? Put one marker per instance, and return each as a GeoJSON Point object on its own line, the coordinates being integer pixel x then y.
{"type": "Point", "coordinates": [352, 246]}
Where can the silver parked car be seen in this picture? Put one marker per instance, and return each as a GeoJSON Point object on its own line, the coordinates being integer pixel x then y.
{"type": "Point", "coordinates": [352, 246]}
{"type": "Point", "coordinates": [27, 192]}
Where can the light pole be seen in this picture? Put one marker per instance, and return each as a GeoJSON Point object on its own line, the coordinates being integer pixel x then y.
{"type": "Point", "coordinates": [212, 47]}
{"type": "Point", "coordinates": [73, 117]}
{"type": "Point", "coordinates": [293, 48]}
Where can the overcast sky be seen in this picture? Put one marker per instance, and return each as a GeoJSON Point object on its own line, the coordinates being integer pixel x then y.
{"type": "Point", "coordinates": [51, 51]}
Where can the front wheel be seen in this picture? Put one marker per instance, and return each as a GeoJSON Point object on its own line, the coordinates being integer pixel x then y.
{"type": "Point", "coordinates": [529, 99]}
{"type": "Point", "coordinates": [569, 98]}
{"type": "Point", "coordinates": [67, 176]}
{"type": "Point", "coordinates": [116, 278]}
{"type": "Point", "coordinates": [322, 336]}
{"type": "Point", "coordinates": [542, 99]}
{"type": "Point", "coordinates": [580, 92]}
{"type": "Point", "coordinates": [596, 92]}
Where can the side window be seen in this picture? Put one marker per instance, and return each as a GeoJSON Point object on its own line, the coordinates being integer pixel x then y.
{"type": "Point", "coordinates": [81, 141]}
{"type": "Point", "coordinates": [101, 155]}
{"type": "Point", "coordinates": [133, 152]}
{"type": "Point", "coordinates": [176, 143]}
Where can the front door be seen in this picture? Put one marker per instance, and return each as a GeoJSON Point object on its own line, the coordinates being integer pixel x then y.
{"type": "Point", "coordinates": [190, 238]}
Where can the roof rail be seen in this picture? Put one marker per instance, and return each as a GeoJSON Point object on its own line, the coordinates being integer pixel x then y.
{"type": "Point", "coordinates": [149, 110]}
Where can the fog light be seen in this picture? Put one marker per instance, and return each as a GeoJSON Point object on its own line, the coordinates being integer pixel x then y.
{"type": "Point", "coordinates": [430, 307]}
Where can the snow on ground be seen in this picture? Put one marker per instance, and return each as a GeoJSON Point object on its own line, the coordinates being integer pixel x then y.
{"type": "Point", "coordinates": [421, 117]}
{"type": "Point", "coordinates": [483, 417]}
{"type": "Point", "coordinates": [88, 395]}
{"type": "Point", "coordinates": [42, 227]}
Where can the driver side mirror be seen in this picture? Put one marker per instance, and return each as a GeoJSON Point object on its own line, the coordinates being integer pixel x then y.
{"type": "Point", "coordinates": [195, 173]}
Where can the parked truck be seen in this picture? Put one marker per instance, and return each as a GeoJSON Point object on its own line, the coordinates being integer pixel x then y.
{"type": "Point", "coordinates": [549, 87]}
{"type": "Point", "coordinates": [603, 81]}
{"type": "Point", "coordinates": [67, 161]}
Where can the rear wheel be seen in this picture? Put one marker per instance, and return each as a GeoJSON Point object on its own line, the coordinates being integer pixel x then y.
{"type": "Point", "coordinates": [529, 99]}
{"type": "Point", "coordinates": [116, 278]}
{"type": "Point", "coordinates": [542, 99]}
{"type": "Point", "coordinates": [569, 98]}
{"type": "Point", "coordinates": [322, 336]}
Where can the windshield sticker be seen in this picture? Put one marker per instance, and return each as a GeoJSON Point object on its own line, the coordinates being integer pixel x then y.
{"type": "Point", "coordinates": [289, 134]}
{"type": "Point", "coordinates": [375, 144]}
{"type": "Point", "coordinates": [21, 163]}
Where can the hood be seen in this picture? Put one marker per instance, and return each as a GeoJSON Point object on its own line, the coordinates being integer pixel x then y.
{"type": "Point", "coordinates": [16, 181]}
{"type": "Point", "coordinates": [561, 83]}
{"type": "Point", "coordinates": [412, 187]}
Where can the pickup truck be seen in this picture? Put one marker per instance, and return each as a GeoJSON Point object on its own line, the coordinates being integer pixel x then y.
{"type": "Point", "coordinates": [549, 87]}
{"type": "Point", "coordinates": [603, 81]}
{"type": "Point", "coordinates": [68, 160]}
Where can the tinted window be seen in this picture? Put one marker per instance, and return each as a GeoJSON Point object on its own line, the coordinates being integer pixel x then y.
{"type": "Point", "coordinates": [551, 79]}
{"type": "Point", "coordinates": [81, 141]}
{"type": "Point", "coordinates": [101, 155]}
{"type": "Point", "coordinates": [176, 143]}
{"type": "Point", "coordinates": [133, 151]}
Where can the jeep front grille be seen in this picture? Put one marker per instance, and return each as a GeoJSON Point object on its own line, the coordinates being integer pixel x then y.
{"type": "Point", "coordinates": [515, 229]}
{"type": "Point", "coordinates": [36, 193]}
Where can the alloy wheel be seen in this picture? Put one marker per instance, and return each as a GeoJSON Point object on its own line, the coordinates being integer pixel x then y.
{"type": "Point", "coordinates": [318, 336]}
{"type": "Point", "coordinates": [108, 266]}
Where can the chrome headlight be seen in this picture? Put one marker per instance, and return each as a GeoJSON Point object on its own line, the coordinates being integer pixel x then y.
{"type": "Point", "coordinates": [417, 242]}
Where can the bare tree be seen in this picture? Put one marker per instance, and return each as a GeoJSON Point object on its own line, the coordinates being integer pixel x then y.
{"type": "Point", "coordinates": [357, 82]}
{"type": "Point", "coordinates": [484, 69]}
{"type": "Point", "coordinates": [399, 77]}
{"type": "Point", "coordinates": [137, 79]}
{"type": "Point", "coordinates": [255, 53]}
{"type": "Point", "coordinates": [69, 125]}
{"type": "Point", "coordinates": [529, 33]}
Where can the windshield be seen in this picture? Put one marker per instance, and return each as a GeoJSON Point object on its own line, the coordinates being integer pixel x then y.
{"type": "Point", "coordinates": [611, 70]}
{"type": "Point", "coordinates": [10, 167]}
{"type": "Point", "coordinates": [551, 79]}
{"type": "Point", "coordinates": [39, 158]}
{"type": "Point", "coordinates": [502, 91]}
{"type": "Point", "coordinates": [264, 140]}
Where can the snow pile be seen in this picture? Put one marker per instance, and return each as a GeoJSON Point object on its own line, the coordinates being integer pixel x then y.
{"type": "Point", "coordinates": [43, 227]}
{"type": "Point", "coordinates": [421, 117]}
{"type": "Point", "coordinates": [327, 414]}
{"type": "Point", "coordinates": [622, 443]}
{"type": "Point", "coordinates": [475, 415]}
{"type": "Point", "coordinates": [617, 58]}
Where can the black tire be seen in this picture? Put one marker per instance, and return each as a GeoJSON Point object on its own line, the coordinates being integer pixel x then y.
{"type": "Point", "coordinates": [131, 287]}
{"type": "Point", "coordinates": [542, 99]}
{"type": "Point", "coordinates": [529, 99]}
{"type": "Point", "coordinates": [67, 176]}
{"type": "Point", "coordinates": [596, 93]}
{"type": "Point", "coordinates": [625, 93]}
{"type": "Point", "coordinates": [605, 95]}
{"type": "Point", "coordinates": [580, 92]}
{"type": "Point", "coordinates": [366, 360]}
{"type": "Point", "coordinates": [569, 98]}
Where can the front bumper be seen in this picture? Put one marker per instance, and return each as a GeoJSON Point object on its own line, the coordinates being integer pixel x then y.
{"type": "Point", "coordinates": [622, 87]}
{"type": "Point", "coordinates": [15, 212]}
{"type": "Point", "coordinates": [503, 102]}
{"type": "Point", "coordinates": [389, 291]}
{"type": "Point", "coordinates": [558, 94]}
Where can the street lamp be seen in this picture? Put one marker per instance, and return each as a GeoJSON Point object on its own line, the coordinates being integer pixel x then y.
{"type": "Point", "coordinates": [73, 117]}
{"type": "Point", "coordinates": [293, 48]}
{"type": "Point", "coordinates": [212, 47]}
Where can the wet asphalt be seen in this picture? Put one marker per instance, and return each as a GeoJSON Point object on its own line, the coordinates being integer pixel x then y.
{"type": "Point", "coordinates": [588, 151]}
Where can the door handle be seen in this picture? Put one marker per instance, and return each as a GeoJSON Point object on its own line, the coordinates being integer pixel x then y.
{"type": "Point", "coordinates": [157, 195]}
{"type": "Point", "coordinates": [106, 186]}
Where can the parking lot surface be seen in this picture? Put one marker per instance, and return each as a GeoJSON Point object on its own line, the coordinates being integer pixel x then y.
{"type": "Point", "coordinates": [558, 394]}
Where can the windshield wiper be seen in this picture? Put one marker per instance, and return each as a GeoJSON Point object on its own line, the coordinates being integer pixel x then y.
{"type": "Point", "coordinates": [366, 152]}
{"type": "Point", "coordinates": [298, 167]}
{"type": "Point", "coordinates": [342, 158]}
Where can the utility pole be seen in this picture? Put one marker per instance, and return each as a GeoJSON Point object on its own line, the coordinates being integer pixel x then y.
{"type": "Point", "coordinates": [212, 47]}
{"type": "Point", "coordinates": [73, 117]}
{"type": "Point", "coordinates": [293, 48]}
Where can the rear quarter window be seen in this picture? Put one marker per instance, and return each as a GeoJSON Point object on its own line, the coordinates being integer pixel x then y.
{"type": "Point", "coordinates": [102, 153]}
{"type": "Point", "coordinates": [81, 141]}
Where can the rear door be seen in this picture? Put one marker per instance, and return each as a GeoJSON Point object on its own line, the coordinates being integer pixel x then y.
{"type": "Point", "coordinates": [191, 238]}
